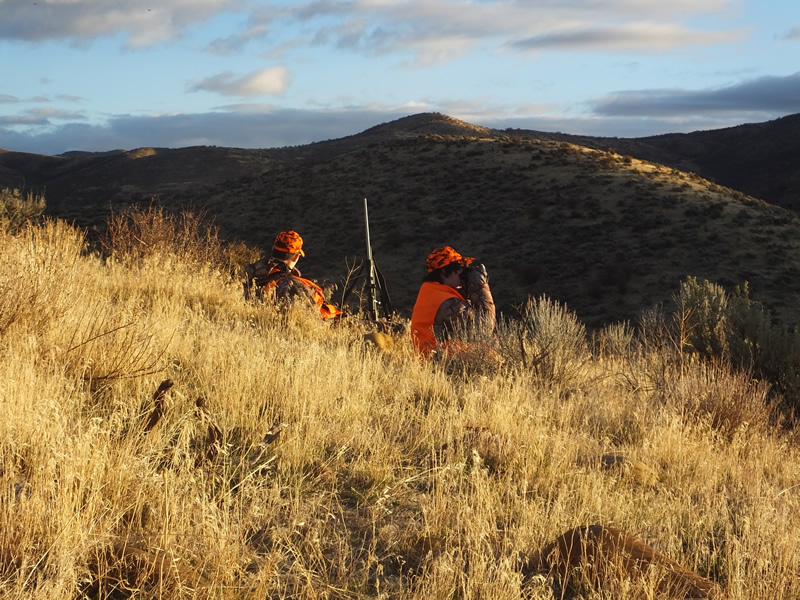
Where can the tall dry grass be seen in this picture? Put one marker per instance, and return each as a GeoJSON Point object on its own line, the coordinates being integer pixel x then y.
{"type": "Point", "coordinates": [161, 437]}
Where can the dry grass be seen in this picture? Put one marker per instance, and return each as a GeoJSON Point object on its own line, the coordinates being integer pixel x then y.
{"type": "Point", "coordinates": [290, 459]}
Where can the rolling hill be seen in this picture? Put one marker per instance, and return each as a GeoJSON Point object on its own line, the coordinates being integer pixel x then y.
{"type": "Point", "coordinates": [760, 159]}
{"type": "Point", "coordinates": [608, 226]}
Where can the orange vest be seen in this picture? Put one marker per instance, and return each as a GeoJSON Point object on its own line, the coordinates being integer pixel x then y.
{"type": "Point", "coordinates": [326, 311]}
{"type": "Point", "coordinates": [430, 298]}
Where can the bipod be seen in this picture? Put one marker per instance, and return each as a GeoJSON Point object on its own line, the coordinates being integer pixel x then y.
{"type": "Point", "coordinates": [378, 302]}
{"type": "Point", "coordinates": [379, 305]}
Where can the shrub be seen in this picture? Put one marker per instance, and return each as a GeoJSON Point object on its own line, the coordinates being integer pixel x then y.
{"type": "Point", "coordinates": [740, 331]}
{"type": "Point", "coordinates": [705, 306]}
{"type": "Point", "coordinates": [731, 402]}
{"type": "Point", "coordinates": [137, 233]}
{"type": "Point", "coordinates": [16, 209]}
{"type": "Point", "coordinates": [556, 339]}
{"type": "Point", "coordinates": [615, 339]}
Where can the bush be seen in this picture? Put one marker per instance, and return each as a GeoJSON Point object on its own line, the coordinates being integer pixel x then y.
{"type": "Point", "coordinates": [740, 331]}
{"type": "Point", "coordinates": [16, 209]}
{"type": "Point", "coordinates": [556, 339]}
{"type": "Point", "coordinates": [705, 309]}
{"type": "Point", "coordinates": [137, 233]}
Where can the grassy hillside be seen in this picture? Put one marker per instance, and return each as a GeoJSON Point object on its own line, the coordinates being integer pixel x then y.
{"type": "Point", "coordinates": [761, 159]}
{"type": "Point", "coordinates": [607, 233]}
{"type": "Point", "coordinates": [163, 438]}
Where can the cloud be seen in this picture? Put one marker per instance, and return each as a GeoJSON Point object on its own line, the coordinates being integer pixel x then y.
{"type": "Point", "coordinates": [70, 98]}
{"type": "Point", "coordinates": [277, 128]}
{"type": "Point", "coordinates": [645, 37]}
{"type": "Point", "coordinates": [792, 34]}
{"type": "Point", "coordinates": [22, 119]}
{"type": "Point", "coordinates": [262, 126]}
{"type": "Point", "coordinates": [430, 31]}
{"type": "Point", "coordinates": [437, 31]}
{"type": "Point", "coordinates": [145, 22]}
{"type": "Point", "coordinates": [8, 99]}
{"type": "Point", "coordinates": [40, 116]}
{"type": "Point", "coordinates": [235, 43]}
{"type": "Point", "coordinates": [765, 95]}
{"type": "Point", "coordinates": [61, 115]}
{"type": "Point", "coordinates": [269, 81]}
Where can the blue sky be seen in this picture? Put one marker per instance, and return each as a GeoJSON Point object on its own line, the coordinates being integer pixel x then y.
{"type": "Point", "coordinates": [98, 75]}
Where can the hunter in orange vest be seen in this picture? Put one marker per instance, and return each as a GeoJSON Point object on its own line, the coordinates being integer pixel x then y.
{"type": "Point", "coordinates": [277, 277]}
{"type": "Point", "coordinates": [454, 300]}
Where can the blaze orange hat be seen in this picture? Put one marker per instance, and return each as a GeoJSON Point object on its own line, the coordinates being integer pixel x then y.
{"type": "Point", "coordinates": [441, 257]}
{"type": "Point", "coordinates": [289, 242]}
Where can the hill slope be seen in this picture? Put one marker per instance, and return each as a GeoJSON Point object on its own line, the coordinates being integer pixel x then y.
{"type": "Point", "coordinates": [760, 159]}
{"type": "Point", "coordinates": [608, 234]}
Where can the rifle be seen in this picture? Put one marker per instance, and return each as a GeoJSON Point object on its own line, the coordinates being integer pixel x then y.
{"type": "Point", "coordinates": [377, 296]}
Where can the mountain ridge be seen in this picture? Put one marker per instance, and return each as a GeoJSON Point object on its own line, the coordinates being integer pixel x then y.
{"type": "Point", "coordinates": [599, 229]}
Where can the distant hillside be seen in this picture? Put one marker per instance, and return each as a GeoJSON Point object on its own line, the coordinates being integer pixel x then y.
{"type": "Point", "coordinates": [605, 232]}
{"type": "Point", "coordinates": [761, 159]}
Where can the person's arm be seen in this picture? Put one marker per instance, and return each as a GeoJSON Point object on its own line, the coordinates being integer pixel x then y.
{"type": "Point", "coordinates": [452, 319]}
{"type": "Point", "coordinates": [476, 315]}
{"type": "Point", "coordinates": [479, 296]}
{"type": "Point", "coordinates": [288, 289]}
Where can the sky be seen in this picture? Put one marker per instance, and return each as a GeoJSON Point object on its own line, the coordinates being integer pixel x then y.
{"type": "Point", "coordinates": [99, 75]}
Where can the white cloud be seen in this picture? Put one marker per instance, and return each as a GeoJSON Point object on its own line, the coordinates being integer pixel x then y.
{"type": "Point", "coordinates": [433, 31]}
{"type": "Point", "coordinates": [427, 28]}
{"type": "Point", "coordinates": [437, 31]}
{"type": "Point", "coordinates": [145, 22]}
{"type": "Point", "coordinates": [40, 116]}
{"type": "Point", "coordinates": [269, 81]}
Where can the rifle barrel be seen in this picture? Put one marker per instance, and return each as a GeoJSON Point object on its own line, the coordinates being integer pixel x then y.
{"type": "Point", "coordinates": [366, 227]}
{"type": "Point", "coordinates": [372, 296]}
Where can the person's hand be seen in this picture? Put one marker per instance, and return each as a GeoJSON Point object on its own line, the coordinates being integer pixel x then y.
{"type": "Point", "coordinates": [482, 270]}
{"type": "Point", "coordinates": [476, 278]}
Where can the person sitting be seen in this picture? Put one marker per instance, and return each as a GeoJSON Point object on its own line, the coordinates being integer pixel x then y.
{"type": "Point", "coordinates": [276, 277]}
{"type": "Point", "coordinates": [454, 304]}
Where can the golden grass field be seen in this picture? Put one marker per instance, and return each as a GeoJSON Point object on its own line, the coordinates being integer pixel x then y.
{"type": "Point", "coordinates": [162, 438]}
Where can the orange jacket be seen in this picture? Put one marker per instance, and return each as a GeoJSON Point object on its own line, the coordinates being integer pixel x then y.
{"type": "Point", "coordinates": [326, 311]}
{"type": "Point", "coordinates": [430, 298]}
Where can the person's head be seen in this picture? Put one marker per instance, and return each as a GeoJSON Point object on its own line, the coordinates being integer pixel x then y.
{"type": "Point", "coordinates": [288, 248]}
{"type": "Point", "coordinates": [445, 265]}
